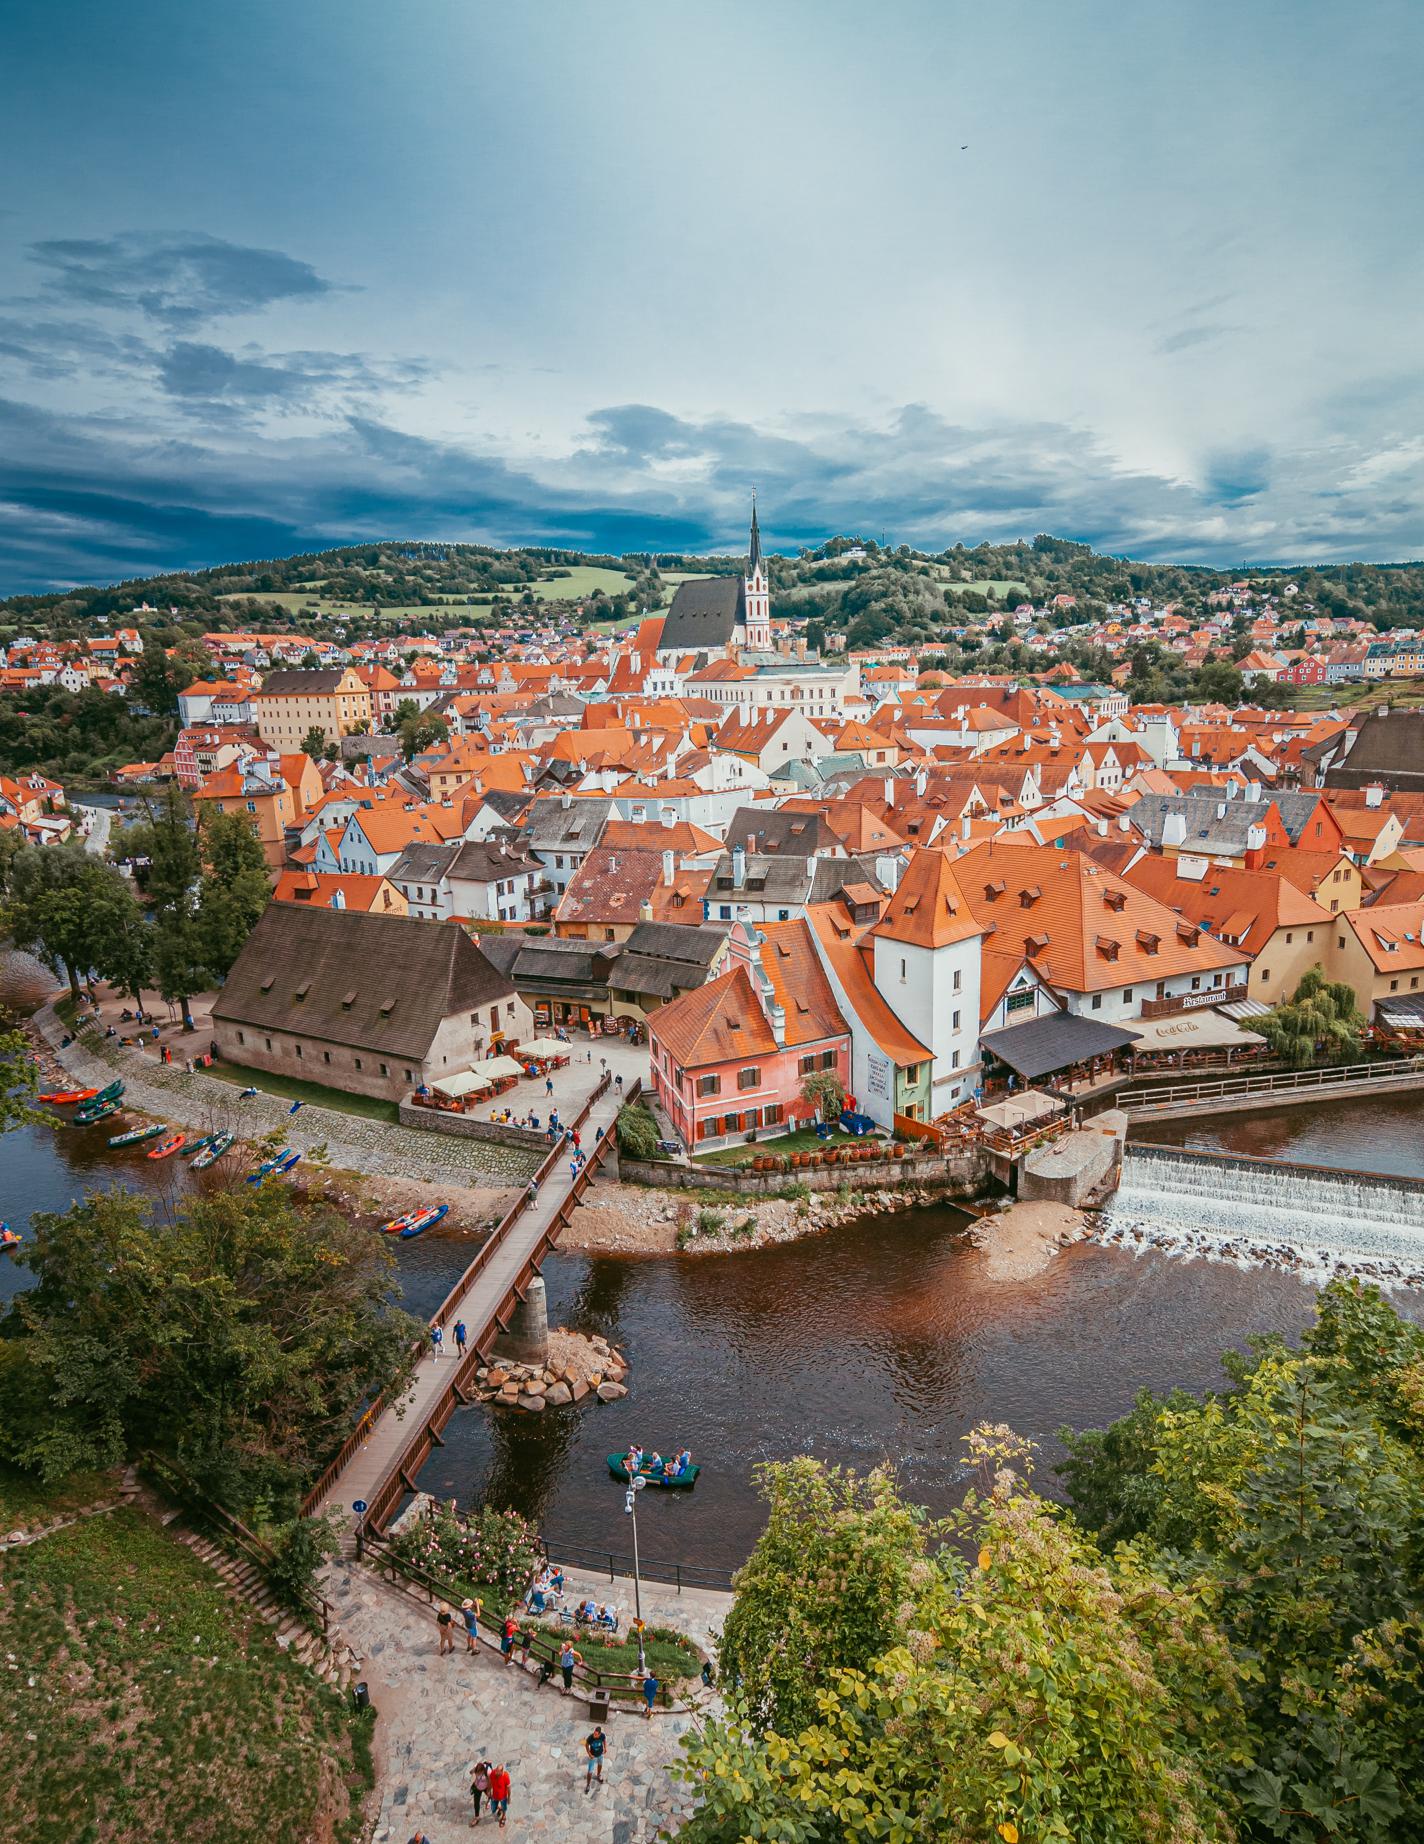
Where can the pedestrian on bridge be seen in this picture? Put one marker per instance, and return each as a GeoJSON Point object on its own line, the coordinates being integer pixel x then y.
{"type": "Point", "coordinates": [460, 1338]}
{"type": "Point", "coordinates": [437, 1339]}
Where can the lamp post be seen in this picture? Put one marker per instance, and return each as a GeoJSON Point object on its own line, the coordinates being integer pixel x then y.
{"type": "Point", "coordinates": [630, 1505]}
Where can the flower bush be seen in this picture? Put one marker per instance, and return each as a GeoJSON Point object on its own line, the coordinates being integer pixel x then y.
{"type": "Point", "coordinates": [490, 1553]}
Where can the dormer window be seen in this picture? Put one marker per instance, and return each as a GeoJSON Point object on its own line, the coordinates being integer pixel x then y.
{"type": "Point", "coordinates": [1035, 944]}
{"type": "Point", "coordinates": [1029, 896]}
{"type": "Point", "coordinates": [992, 892]}
{"type": "Point", "coordinates": [1107, 947]}
{"type": "Point", "coordinates": [300, 994]}
{"type": "Point", "coordinates": [1147, 941]}
{"type": "Point", "coordinates": [1115, 900]}
{"type": "Point", "coordinates": [348, 999]}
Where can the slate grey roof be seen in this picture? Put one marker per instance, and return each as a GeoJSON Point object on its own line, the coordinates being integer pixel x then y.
{"type": "Point", "coordinates": [480, 861]}
{"type": "Point", "coordinates": [1216, 823]}
{"type": "Point", "coordinates": [788, 878]}
{"type": "Point", "coordinates": [551, 826]}
{"type": "Point", "coordinates": [367, 982]}
{"type": "Point", "coordinates": [1388, 748]}
{"type": "Point", "coordinates": [775, 829]}
{"type": "Point", "coordinates": [1045, 1045]}
{"type": "Point", "coordinates": [704, 614]}
{"type": "Point", "coordinates": [693, 945]}
{"type": "Point", "coordinates": [425, 862]}
{"type": "Point", "coordinates": [307, 683]}
{"type": "Point", "coordinates": [659, 958]}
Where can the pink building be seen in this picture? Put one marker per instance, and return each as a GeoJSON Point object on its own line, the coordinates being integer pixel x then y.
{"type": "Point", "coordinates": [729, 1059]}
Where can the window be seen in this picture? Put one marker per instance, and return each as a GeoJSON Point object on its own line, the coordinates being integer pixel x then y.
{"type": "Point", "coordinates": [1265, 976]}
{"type": "Point", "coordinates": [954, 1059]}
{"type": "Point", "coordinates": [1290, 935]}
{"type": "Point", "coordinates": [326, 1056]}
{"type": "Point", "coordinates": [954, 983]}
{"type": "Point", "coordinates": [902, 969]}
{"type": "Point", "coordinates": [954, 1021]}
{"type": "Point", "coordinates": [296, 1050]}
{"type": "Point", "coordinates": [509, 1008]}
{"type": "Point", "coordinates": [709, 1085]}
{"type": "Point", "coordinates": [1394, 986]}
{"type": "Point", "coordinates": [748, 1078]}
{"type": "Point", "coordinates": [724, 910]}
{"type": "Point", "coordinates": [1310, 934]}
{"type": "Point", "coordinates": [1020, 1001]}
{"type": "Point", "coordinates": [1127, 995]}
{"type": "Point", "coordinates": [1340, 942]}
{"type": "Point", "coordinates": [357, 1061]}
{"type": "Point", "coordinates": [771, 1114]}
{"type": "Point", "coordinates": [1097, 1001]}
{"type": "Point", "coordinates": [1196, 982]}
{"type": "Point", "coordinates": [410, 1075]}
{"type": "Point", "coordinates": [242, 1037]}
{"type": "Point", "coordinates": [384, 1070]}
{"type": "Point", "coordinates": [268, 1042]}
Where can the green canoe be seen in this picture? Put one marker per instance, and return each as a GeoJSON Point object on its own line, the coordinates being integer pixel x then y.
{"type": "Point", "coordinates": [680, 1483]}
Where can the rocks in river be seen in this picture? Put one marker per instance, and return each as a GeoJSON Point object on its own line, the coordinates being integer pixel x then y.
{"type": "Point", "coordinates": [578, 1364]}
{"type": "Point", "coordinates": [610, 1392]}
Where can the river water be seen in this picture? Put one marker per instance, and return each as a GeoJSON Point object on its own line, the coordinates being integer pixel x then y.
{"type": "Point", "coordinates": [881, 1339]}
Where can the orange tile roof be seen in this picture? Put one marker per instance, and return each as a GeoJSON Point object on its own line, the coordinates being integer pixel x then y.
{"type": "Point", "coordinates": [1392, 934]}
{"type": "Point", "coordinates": [836, 935]}
{"type": "Point", "coordinates": [799, 983]}
{"type": "Point", "coordinates": [928, 909]}
{"type": "Point", "coordinates": [1246, 907]}
{"type": "Point", "coordinates": [715, 1023]}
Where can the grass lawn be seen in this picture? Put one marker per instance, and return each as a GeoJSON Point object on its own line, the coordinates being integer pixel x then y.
{"type": "Point", "coordinates": [292, 1089]}
{"type": "Point", "coordinates": [786, 1143]}
{"type": "Point", "coordinates": [671, 1655]}
{"type": "Point", "coordinates": [25, 1502]}
{"type": "Point", "coordinates": [149, 1705]}
{"type": "Point", "coordinates": [581, 579]}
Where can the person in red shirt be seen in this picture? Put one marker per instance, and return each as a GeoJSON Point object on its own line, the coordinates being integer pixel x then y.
{"type": "Point", "coordinates": [499, 1793]}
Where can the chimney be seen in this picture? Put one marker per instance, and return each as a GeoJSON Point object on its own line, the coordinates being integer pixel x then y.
{"type": "Point", "coordinates": [669, 867]}
{"type": "Point", "coordinates": [739, 867]}
{"type": "Point", "coordinates": [889, 790]}
{"type": "Point", "coordinates": [645, 910]}
{"type": "Point", "coordinates": [1374, 795]}
{"type": "Point", "coordinates": [1255, 847]}
{"type": "Point", "coordinates": [338, 899]}
{"type": "Point", "coordinates": [669, 818]}
{"type": "Point", "coordinates": [566, 800]}
{"type": "Point", "coordinates": [922, 781]}
{"type": "Point", "coordinates": [1101, 828]}
{"type": "Point", "coordinates": [1174, 829]}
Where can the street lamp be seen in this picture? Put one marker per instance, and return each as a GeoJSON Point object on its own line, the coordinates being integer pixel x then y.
{"type": "Point", "coordinates": [630, 1505]}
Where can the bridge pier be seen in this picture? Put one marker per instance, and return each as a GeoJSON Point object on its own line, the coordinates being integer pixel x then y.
{"type": "Point", "coordinates": [527, 1340]}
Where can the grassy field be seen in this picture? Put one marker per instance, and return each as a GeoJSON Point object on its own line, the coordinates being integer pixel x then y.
{"type": "Point", "coordinates": [149, 1705]}
{"type": "Point", "coordinates": [290, 1088]}
{"type": "Point", "coordinates": [582, 579]}
{"type": "Point", "coordinates": [24, 1502]}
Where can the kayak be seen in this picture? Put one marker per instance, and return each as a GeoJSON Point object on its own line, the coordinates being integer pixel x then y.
{"type": "Point", "coordinates": [212, 1152]}
{"type": "Point", "coordinates": [165, 1147]}
{"type": "Point", "coordinates": [268, 1166]}
{"type": "Point", "coordinates": [66, 1097]}
{"type": "Point", "coordinates": [111, 1093]}
{"type": "Point", "coordinates": [92, 1112]}
{"type": "Point", "coordinates": [422, 1219]}
{"type": "Point", "coordinates": [9, 1238]}
{"type": "Point", "coordinates": [285, 1164]}
{"type": "Point", "coordinates": [135, 1134]}
{"type": "Point", "coordinates": [399, 1225]}
{"type": "Point", "coordinates": [682, 1481]}
{"type": "Point", "coordinates": [196, 1146]}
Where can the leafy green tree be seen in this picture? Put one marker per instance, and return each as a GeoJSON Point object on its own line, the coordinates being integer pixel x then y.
{"type": "Point", "coordinates": [637, 1131]}
{"type": "Point", "coordinates": [1219, 683]}
{"type": "Point", "coordinates": [234, 889]}
{"type": "Point", "coordinates": [237, 1340]}
{"type": "Point", "coordinates": [174, 880]}
{"type": "Point", "coordinates": [19, 1081]}
{"type": "Point", "coordinates": [76, 913]}
{"type": "Point", "coordinates": [314, 743]}
{"type": "Point", "coordinates": [1320, 1019]}
{"type": "Point", "coordinates": [1046, 1692]}
{"type": "Point", "coordinates": [824, 1093]}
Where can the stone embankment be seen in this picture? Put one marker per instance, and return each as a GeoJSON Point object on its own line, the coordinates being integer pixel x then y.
{"type": "Point", "coordinates": [637, 1220]}
{"type": "Point", "coordinates": [196, 1100]}
{"type": "Point", "coordinates": [578, 1365]}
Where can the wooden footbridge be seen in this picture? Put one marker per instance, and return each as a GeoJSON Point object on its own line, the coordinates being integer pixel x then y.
{"type": "Point", "coordinates": [379, 1461]}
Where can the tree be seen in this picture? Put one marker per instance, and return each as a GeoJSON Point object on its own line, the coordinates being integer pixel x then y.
{"type": "Point", "coordinates": [174, 876]}
{"type": "Point", "coordinates": [637, 1131]}
{"type": "Point", "coordinates": [1319, 1019]}
{"type": "Point", "coordinates": [1219, 683]}
{"type": "Point", "coordinates": [236, 1340]}
{"type": "Point", "coordinates": [420, 731]}
{"type": "Point", "coordinates": [314, 743]}
{"type": "Point", "coordinates": [1047, 1692]}
{"type": "Point", "coordinates": [824, 1093]}
{"type": "Point", "coordinates": [19, 1081]}
{"type": "Point", "coordinates": [234, 889]}
{"type": "Point", "coordinates": [77, 914]}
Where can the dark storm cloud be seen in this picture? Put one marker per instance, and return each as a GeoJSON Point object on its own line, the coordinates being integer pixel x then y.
{"type": "Point", "coordinates": [176, 280]}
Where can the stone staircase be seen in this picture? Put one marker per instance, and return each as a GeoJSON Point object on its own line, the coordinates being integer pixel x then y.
{"type": "Point", "coordinates": [328, 1655]}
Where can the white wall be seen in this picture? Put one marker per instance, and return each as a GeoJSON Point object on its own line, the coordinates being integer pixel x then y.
{"type": "Point", "coordinates": [919, 986]}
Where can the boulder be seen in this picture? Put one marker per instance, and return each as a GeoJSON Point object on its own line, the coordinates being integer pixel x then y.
{"type": "Point", "coordinates": [534, 1403]}
{"type": "Point", "coordinates": [535, 1386]}
{"type": "Point", "coordinates": [595, 1378]}
{"type": "Point", "coordinates": [610, 1392]}
{"type": "Point", "coordinates": [496, 1377]}
{"type": "Point", "coordinates": [578, 1390]}
{"type": "Point", "coordinates": [558, 1395]}
{"type": "Point", "coordinates": [482, 1374]}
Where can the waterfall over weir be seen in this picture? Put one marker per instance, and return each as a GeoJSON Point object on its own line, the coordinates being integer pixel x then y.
{"type": "Point", "coordinates": [1256, 1210]}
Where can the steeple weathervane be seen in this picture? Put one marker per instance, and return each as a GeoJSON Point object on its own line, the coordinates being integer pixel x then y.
{"type": "Point", "coordinates": [754, 551]}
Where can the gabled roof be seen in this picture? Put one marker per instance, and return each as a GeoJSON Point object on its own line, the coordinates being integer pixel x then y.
{"type": "Point", "coordinates": [715, 1023]}
{"type": "Point", "coordinates": [704, 614]}
{"type": "Point", "coordinates": [927, 909]}
{"type": "Point", "coordinates": [798, 982]}
{"type": "Point", "coordinates": [836, 936]}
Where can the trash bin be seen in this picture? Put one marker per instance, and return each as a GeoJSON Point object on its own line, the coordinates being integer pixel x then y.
{"type": "Point", "coordinates": [598, 1705]}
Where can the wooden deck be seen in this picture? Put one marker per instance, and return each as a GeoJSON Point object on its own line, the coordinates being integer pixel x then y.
{"type": "Point", "coordinates": [395, 1429]}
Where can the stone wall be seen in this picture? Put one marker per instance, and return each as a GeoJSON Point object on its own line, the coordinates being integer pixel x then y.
{"type": "Point", "coordinates": [961, 1174]}
{"type": "Point", "coordinates": [466, 1126]}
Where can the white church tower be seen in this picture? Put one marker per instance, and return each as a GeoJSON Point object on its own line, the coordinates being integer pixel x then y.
{"type": "Point", "coordinates": [757, 593]}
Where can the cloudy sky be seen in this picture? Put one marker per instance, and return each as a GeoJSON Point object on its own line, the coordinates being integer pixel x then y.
{"type": "Point", "coordinates": [296, 272]}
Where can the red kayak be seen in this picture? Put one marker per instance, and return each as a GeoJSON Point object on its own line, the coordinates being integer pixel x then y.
{"type": "Point", "coordinates": [63, 1097]}
{"type": "Point", "coordinates": [170, 1145]}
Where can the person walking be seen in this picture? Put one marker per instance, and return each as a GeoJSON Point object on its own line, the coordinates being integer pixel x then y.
{"type": "Point", "coordinates": [445, 1620]}
{"type": "Point", "coordinates": [568, 1658]}
{"type": "Point", "coordinates": [479, 1787]}
{"type": "Point", "coordinates": [437, 1339]}
{"type": "Point", "coordinates": [461, 1337]}
{"type": "Point", "coordinates": [548, 1085]}
{"type": "Point", "coordinates": [499, 1790]}
{"type": "Point", "coordinates": [651, 1688]}
{"type": "Point", "coordinates": [595, 1746]}
{"type": "Point", "coordinates": [470, 1614]}
{"type": "Point", "coordinates": [508, 1637]}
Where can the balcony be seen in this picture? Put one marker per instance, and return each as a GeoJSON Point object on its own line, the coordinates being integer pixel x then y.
{"type": "Point", "coordinates": [1191, 1001]}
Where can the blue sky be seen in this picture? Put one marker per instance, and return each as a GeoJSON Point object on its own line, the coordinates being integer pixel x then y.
{"type": "Point", "coordinates": [290, 274]}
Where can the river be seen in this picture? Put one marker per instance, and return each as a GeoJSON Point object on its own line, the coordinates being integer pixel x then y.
{"type": "Point", "coordinates": [881, 1339]}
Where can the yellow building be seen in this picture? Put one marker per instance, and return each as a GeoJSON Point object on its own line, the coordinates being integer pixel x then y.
{"type": "Point", "coordinates": [1379, 951]}
{"type": "Point", "coordinates": [290, 705]}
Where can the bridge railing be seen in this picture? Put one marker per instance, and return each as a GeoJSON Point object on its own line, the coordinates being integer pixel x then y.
{"type": "Point", "coordinates": [459, 1390]}
{"type": "Point", "coordinates": [614, 1563]}
{"type": "Point", "coordinates": [1213, 1088]}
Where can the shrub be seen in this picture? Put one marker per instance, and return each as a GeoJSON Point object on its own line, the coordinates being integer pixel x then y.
{"type": "Point", "coordinates": [492, 1553]}
{"type": "Point", "coordinates": [710, 1222]}
{"type": "Point", "coordinates": [637, 1131]}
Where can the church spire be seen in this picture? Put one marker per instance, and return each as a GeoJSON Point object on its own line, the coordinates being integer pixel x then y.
{"type": "Point", "coordinates": [754, 551]}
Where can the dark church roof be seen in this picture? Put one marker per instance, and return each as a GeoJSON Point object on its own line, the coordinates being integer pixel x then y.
{"type": "Point", "coordinates": [1388, 748]}
{"type": "Point", "coordinates": [371, 982]}
{"type": "Point", "coordinates": [704, 614]}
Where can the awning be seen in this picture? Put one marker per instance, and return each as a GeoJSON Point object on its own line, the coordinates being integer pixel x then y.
{"type": "Point", "coordinates": [1020, 1110]}
{"type": "Point", "coordinates": [544, 1047]}
{"type": "Point", "coordinates": [492, 1067]}
{"type": "Point", "coordinates": [464, 1084]}
{"type": "Point", "coordinates": [1044, 1045]}
{"type": "Point", "coordinates": [1242, 1009]}
{"type": "Point", "coordinates": [1401, 1014]}
{"type": "Point", "coordinates": [1203, 1030]}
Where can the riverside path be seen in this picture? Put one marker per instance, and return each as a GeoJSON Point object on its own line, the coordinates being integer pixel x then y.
{"type": "Point", "coordinates": [391, 1429]}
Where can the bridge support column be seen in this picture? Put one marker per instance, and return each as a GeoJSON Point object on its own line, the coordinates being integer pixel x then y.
{"type": "Point", "coordinates": [527, 1340]}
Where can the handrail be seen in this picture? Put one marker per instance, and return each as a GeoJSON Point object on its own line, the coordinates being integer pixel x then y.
{"type": "Point", "coordinates": [652, 1568]}
{"type": "Point", "coordinates": [1283, 1082]}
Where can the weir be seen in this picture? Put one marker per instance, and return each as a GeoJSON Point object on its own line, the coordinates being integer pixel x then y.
{"type": "Point", "coordinates": [1314, 1218]}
